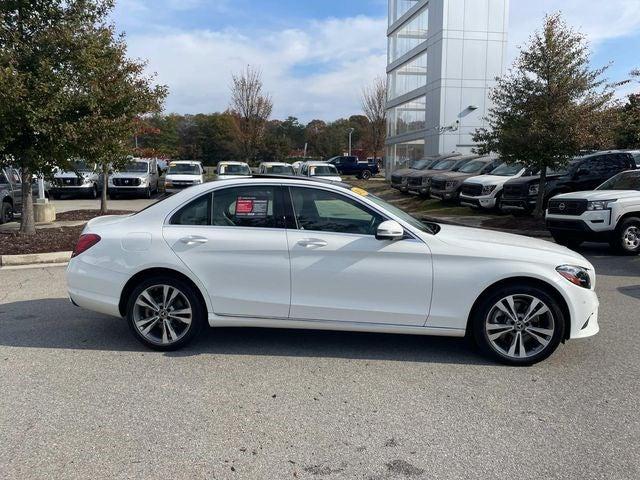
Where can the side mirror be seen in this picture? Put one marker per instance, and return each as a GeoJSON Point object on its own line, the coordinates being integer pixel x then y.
{"type": "Point", "coordinates": [390, 230]}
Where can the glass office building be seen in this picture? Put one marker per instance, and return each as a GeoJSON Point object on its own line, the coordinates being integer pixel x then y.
{"type": "Point", "coordinates": [443, 58]}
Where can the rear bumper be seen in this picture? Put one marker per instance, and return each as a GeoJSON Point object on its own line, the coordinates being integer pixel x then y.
{"type": "Point", "coordinates": [94, 288]}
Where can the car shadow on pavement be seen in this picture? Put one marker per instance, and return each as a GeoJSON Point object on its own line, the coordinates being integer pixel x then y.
{"type": "Point", "coordinates": [609, 264]}
{"type": "Point", "coordinates": [56, 324]}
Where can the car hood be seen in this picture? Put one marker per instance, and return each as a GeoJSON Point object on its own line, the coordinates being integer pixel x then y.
{"type": "Point", "coordinates": [428, 173]}
{"type": "Point", "coordinates": [598, 195]}
{"type": "Point", "coordinates": [72, 174]}
{"type": "Point", "coordinates": [182, 177]}
{"type": "Point", "coordinates": [492, 243]}
{"type": "Point", "coordinates": [328, 178]}
{"type": "Point", "coordinates": [489, 179]}
{"type": "Point", "coordinates": [129, 175]}
{"type": "Point", "coordinates": [403, 172]}
{"type": "Point", "coordinates": [460, 176]}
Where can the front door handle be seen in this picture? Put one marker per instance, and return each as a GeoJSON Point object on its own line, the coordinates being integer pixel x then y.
{"type": "Point", "coordinates": [312, 242]}
{"type": "Point", "coordinates": [193, 240]}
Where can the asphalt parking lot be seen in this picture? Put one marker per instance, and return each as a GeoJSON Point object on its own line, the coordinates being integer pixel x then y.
{"type": "Point", "coordinates": [81, 399]}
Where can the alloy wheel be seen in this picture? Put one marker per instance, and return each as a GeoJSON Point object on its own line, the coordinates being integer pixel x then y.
{"type": "Point", "coordinates": [631, 238]}
{"type": "Point", "coordinates": [519, 326]}
{"type": "Point", "coordinates": [162, 314]}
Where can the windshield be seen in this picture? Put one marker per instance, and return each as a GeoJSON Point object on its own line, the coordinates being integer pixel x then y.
{"type": "Point", "coordinates": [322, 170]}
{"type": "Point", "coordinates": [444, 165]}
{"type": "Point", "coordinates": [183, 169]}
{"type": "Point", "coordinates": [137, 167]}
{"type": "Point", "coordinates": [431, 228]}
{"type": "Point", "coordinates": [472, 167]}
{"type": "Point", "coordinates": [280, 169]}
{"type": "Point", "coordinates": [622, 181]}
{"type": "Point", "coordinates": [505, 170]}
{"type": "Point", "coordinates": [234, 170]}
{"type": "Point", "coordinates": [80, 166]}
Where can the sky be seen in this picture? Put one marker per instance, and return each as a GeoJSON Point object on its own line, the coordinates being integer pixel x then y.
{"type": "Point", "coordinates": [317, 55]}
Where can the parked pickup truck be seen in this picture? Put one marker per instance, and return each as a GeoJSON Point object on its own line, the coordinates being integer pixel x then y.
{"type": "Point", "coordinates": [10, 194]}
{"type": "Point", "coordinates": [610, 213]}
{"type": "Point", "coordinates": [350, 165]}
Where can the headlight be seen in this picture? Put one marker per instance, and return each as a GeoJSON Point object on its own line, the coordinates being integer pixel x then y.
{"type": "Point", "coordinates": [86, 180]}
{"type": "Point", "coordinates": [599, 204]}
{"type": "Point", "coordinates": [197, 182]}
{"type": "Point", "coordinates": [534, 189]}
{"type": "Point", "coordinates": [576, 275]}
{"type": "Point", "coordinates": [168, 183]}
{"type": "Point", "coordinates": [488, 189]}
{"type": "Point", "coordinates": [143, 182]}
{"type": "Point", "coordinates": [450, 185]}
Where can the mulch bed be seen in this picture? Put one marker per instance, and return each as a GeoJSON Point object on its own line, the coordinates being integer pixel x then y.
{"type": "Point", "coordinates": [78, 215]}
{"type": "Point", "coordinates": [45, 240]}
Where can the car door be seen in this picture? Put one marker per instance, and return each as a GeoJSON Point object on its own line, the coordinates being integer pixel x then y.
{"type": "Point", "coordinates": [340, 272]}
{"type": "Point", "coordinates": [235, 242]}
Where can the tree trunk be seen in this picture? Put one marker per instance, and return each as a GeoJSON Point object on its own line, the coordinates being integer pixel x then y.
{"type": "Point", "coordinates": [27, 221]}
{"type": "Point", "coordinates": [539, 211]}
{"type": "Point", "coordinates": [105, 184]}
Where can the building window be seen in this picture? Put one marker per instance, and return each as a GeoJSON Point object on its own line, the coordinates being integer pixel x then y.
{"type": "Point", "coordinates": [408, 77]}
{"type": "Point", "coordinates": [397, 8]}
{"type": "Point", "coordinates": [402, 154]}
{"type": "Point", "coordinates": [407, 117]}
{"type": "Point", "coordinates": [409, 36]}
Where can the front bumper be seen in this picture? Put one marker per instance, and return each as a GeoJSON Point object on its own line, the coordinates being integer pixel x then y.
{"type": "Point", "coordinates": [589, 221]}
{"type": "Point", "coordinates": [444, 195]}
{"type": "Point", "coordinates": [518, 203]}
{"type": "Point", "coordinates": [487, 202]}
{"type": "Point", "coordinates": [73, 190]}
{"type": "Point", "coordinates": [138, 190]}
{"type": "Point", "coordinates": [583, 308]}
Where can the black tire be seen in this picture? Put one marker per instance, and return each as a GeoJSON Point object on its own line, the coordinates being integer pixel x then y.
{"type": "Point", "coordinates": [93, 194]}
{"type": "Point", "coordinates": [486, 306]}
{"type": "Point", "coordinates": [113, 196]}
{"type": "Point", "coordinates": [55, 195]}
{"type": "Point", "coordinates": [147, 193]}
{"type": "Point", "coordinates": [198, 312]}
{"type": "Point", "coordinates": [622, 242]}
{"type": "Point", "coordinates": [566, 241]}
{"type": "Point", "coordinates": [365, 175]}
{"type": "Point", "coordinates": [6, 212]}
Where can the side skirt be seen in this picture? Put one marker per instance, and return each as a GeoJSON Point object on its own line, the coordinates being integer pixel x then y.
{"type": "Point", "coordinates": [218, 321]}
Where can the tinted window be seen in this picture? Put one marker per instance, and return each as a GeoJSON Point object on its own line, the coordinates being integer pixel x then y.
{"type": "Point", "coordinates": [197, 212]}
{"type": "Point", "coordinates": [505, 170]}
{"type": "Point", "coordinates": [245, 207]}
{"type": "Point", "coordinates": [184, 169]}
{"type": "Point", "coordinates": [444, 165]}
{"type": "Point", "coordinates": [279, 169]}
{"type": "Point", "coordinates": [473, 167]}
{"type": "Point", "coordinates": [325, 211]}
{"type": "Point", "coordinates": [622, 181]}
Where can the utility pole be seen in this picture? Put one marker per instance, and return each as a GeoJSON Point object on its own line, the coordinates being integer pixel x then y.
{"type": "Point", "coordinates": [351, 130]}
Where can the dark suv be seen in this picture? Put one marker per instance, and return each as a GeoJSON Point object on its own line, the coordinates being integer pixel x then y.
{"type": "Point", "coordinates": [399, 178]}
{"type": "Point", "coordinates": [582, 173]}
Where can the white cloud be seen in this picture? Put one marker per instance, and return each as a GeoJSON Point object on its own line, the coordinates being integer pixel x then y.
{"type": "Point", "coordinates": [318, 68]}
{"type": "Point", "coordinates": [317, 72]}
{"type": "Point", "coordinates": [598, 20]}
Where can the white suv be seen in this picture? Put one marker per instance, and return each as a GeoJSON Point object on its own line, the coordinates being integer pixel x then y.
{"type": "Point", "coordinates": [610, 213]}
{"type": "Point", "coordinates": [485, 191]}
{"type": "Point", "coordinates": [183, 174]}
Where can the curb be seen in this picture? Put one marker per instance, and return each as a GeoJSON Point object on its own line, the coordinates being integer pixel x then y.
{"type": "Point", "coordinates": [34, 258]}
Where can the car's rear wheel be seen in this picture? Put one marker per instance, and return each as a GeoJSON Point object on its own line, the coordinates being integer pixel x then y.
{"type": "Point", "coordinates": [626, 239]}
{"type": "Point", "coordinates": [366, 174]}
{"type": "Point", "coordinates": [518, 325]}
{"type": "Point", "coordinates": [165, 313]}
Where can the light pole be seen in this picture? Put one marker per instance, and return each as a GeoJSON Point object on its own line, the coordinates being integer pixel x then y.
{"type": "Point", "coordinates": [351, 130]}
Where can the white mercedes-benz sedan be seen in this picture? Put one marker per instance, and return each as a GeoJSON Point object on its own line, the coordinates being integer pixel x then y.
{"type": "Point", "coordinates": [296, 253]}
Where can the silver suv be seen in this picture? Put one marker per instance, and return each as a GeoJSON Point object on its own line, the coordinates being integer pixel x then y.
{"type": "Point", "coordinates": [139, 177]}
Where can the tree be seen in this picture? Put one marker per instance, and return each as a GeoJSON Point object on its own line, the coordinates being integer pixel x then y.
{"type": "Point", "coordinates": [629, 118]}
{"type": "Point", "coordinates": [251, 108]}
{"type": "Point", "coordinates": [116, 92]}
{"type": "Point", "coordinates": [374, 101]}
{"type": "Point", "coordinates": [44, 57]}
{"type": "Point", "coordinates": [543, 105]}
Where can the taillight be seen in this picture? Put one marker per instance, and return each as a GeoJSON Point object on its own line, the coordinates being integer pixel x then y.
{"type": "Point", "coordinates": [85, 242]}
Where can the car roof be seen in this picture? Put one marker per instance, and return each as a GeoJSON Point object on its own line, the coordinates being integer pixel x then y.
{"type": "Point", "coordinates": [231, 162]}
{"type": "Point", "coordinates": [274, 163]}
{"type": "Point", "coordinates": [316, 162]}
{"type": "Point", "coordinates": [185, 162]}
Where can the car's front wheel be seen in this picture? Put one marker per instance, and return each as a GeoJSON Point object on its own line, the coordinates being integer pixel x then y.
{"type": "Point", "coordinates": [6, 212]}
{"type": "Point", "coordinates": [165, 313]}
{"type": "Point", "coordinates": [518, 325]}
{"type": "Point", "coordinates": [626, 239]}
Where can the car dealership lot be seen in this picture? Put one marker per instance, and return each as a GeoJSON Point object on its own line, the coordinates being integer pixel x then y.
{"type": "Point", "coordinates": [80, 395]}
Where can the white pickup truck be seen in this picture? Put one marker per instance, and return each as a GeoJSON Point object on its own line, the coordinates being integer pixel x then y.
{"type": "Point", "coordinates": [610, 213]}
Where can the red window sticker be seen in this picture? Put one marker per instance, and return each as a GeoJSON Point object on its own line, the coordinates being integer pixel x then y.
{"type": "Point", "coordinates": [244, 206]}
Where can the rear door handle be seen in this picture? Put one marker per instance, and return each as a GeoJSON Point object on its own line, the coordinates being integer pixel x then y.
{"type": "Point", "coordinates": [193, 240]}
{"type": "Point", "coordinates": [312, 242]}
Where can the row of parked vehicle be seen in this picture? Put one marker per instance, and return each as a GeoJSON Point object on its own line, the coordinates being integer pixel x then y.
{"type": "Point", "coordinates": [596, 197]}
